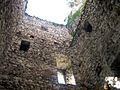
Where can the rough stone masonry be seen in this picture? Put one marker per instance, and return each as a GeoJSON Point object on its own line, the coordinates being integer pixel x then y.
{"type": "Point", "coordinates": [29, 45]}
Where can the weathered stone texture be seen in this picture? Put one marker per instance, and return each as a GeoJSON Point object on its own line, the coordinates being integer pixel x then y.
{"type": "Point", "coordinates": [91, 53]}
{"type": "Point", "coordinates": [35, 69]}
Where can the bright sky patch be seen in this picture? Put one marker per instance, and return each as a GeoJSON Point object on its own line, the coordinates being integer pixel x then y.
{"type": "Point", "coordinates": [51, 10]}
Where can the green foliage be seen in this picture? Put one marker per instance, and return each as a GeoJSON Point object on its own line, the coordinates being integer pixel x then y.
{"type": "Point", "coordinates": [75, 16]}
{"type": "Point", "coordinates": [71, 19]}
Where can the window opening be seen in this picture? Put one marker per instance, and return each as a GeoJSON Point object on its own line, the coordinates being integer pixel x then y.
{"type": "Point", "coordinates": [65, 72]}
{"type": "Point", "coordinates": [61, 78]}
{"type": "Point", "coordinates": [25, 45]}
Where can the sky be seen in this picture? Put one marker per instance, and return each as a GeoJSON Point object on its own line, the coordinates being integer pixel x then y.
{"type": "Point", "coordinates": [50, 10]}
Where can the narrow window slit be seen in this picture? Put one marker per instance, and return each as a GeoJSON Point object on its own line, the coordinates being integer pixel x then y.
{"type": "Point", "coordinates": [65, 72]}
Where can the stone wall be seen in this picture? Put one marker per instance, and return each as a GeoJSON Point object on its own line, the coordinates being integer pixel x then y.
{"type": "Point", "coordinates": [10, 14]}
{"type": "Point", "coordinates": [34, 69]}
{"type": "Point", "coordinates": [8, 20]}
{"type": "Point", "coordinates": [96, 42]}
{"type": "Point", "coordinates": [92, 50]}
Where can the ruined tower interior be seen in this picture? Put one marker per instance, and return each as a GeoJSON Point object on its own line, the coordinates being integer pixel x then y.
{"type": "Point", "coordinates": [36, 54]}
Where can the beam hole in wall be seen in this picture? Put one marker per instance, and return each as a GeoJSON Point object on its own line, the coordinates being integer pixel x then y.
{"type": "Point", "coordinates": [44, 28]}
{"type": "Point", "coordinates": [18, 33]}
{"type": "Point", "coordinates": [87, 26]}
{"type": "Point", "coordinates": [42, 40]}
{"type": "Point", "coordinates": [31, 36]}
{"type": "Point", "coordinates": [56, 43]}
{"type": "Point", "coordinates": [25, 45]}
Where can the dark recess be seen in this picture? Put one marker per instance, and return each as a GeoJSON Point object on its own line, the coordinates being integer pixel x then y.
{"type": "Point", "coordinates": [115, 67]}
{"type": "Point", "coordinates": [87, 26]}
{"type": "Point", "coordinates": [25, 45]}
{"type": "Point", "coordinates": [18, 33]}
{"type": "Point", "coordinates": [56, 43]}
{"type": "Point", "coordinates": [31, 36]}
{"type": "Point", "coordinates": [44, 28]}
{"type": "Point", "coordinates": [98, 70]}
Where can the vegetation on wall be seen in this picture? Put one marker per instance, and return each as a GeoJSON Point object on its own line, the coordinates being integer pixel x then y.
{"type": "Point", "coordinates": [73, 17]}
